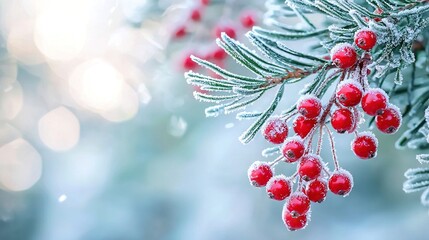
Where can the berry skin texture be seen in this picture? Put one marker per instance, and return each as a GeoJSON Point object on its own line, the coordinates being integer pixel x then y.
{"type": "Point", "coordinates": [294, 223]}
{"type": "Point", "coordinates": [278, 188]}
{"type": "Point", "coordinates": [349, 93]}
{"type": "Point", "coordinates": [309, 107]}
{"type": "Point", "coordinates": [293, 149]}
{"type": "Point", "coordinates": [343, 55]}
{"type": "Point", "coordinates": [389, 121]}
{"type": "Point", "coordinates": [302, 126]}
{"type": "Point", "coordinates": [365, 145]}
{"type": "Point", "coordinates": [341, 182]}
{"type": "Point", "coordinates": [298, 204]}
{"type": "Point", "coordinates": [275, 131]}
{"type": "Point", "coordinates": [342, 120]}
{"type": "Point", "coordinates": [259, 173]}
{"type": "Point", "coordinates": [374, 101]}
{"type": "Point", "coordinates": [316, 190]}
{"type": "Point", "coordinates": [365, 39]}
{"type": "Point", "coordinates": [310, 167]}
{"type": "Point", "coordinates": [247, 20]}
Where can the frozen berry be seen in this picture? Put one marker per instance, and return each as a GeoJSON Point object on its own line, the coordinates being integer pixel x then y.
{"type": "Point", "coordinates": [310, 167]}
{"type": "Point", "coordinates": [309, 106]}
{"type": "Point", "coordinates": [247, 20]}
{"type": "Point", "coordinates": [275, 130]}
{"type": "Point", "coordinates": [390, 120]}
{"type": "Point", "coordinates": [298, 204]}
{"type": "Point", "coordinates": [374, 101]}
{"type": "Point", "coordinates": [365, 145]}
{"type": "Point", "coordinates": [341, 182]}
{"type": "Point", "coordinates": [294, 223]}
{"type": "Point", "coordinates": [196, 14]}
{"type": "Point", "coordinates": [302, 126]}
{"type": "Point", "coordinates": [278, 187]}
{"type": "Point", "coordinates": [342, 120]}
{"type": "Point", "coordinates": [365, 39]}
{"type": "Point", "coordinates": [259, 173]}
{"type": "Point", "coordinates": [293, 149]}
{"type": "Point", "coordinates": [316, 190]}
{"type": "Point", "coordinates": [343, 55]}
{"type": "Point", "coordinates": [219, 54]}
{"type": "Point", "coordinates": [188, 63]}
{"type": "Point", "coordinates": [180, 32]}
{"type": "Point", "coordinates": [205, 2]}
{"type": "Point", "coordinates": [349, 93]}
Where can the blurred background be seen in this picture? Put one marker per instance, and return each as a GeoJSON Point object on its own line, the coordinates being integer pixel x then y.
{"type": "Point", "coordinates": [100, 137]}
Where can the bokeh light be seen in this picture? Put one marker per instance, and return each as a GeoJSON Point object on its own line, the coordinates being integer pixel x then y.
{"type": "Point", "coordinates": [61, 29]}
{"type": "Point", "coordinates": [20, 165]}
{"type": "Point", "coordinates": [96, 85]}
{"type": "Point", "coordinates": [59, 129]}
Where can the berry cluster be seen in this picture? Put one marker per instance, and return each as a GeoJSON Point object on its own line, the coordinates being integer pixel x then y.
{"type": "Point", "coordinates": [313, 178]}
{"type": "Point", "coordinates": [194, 26]}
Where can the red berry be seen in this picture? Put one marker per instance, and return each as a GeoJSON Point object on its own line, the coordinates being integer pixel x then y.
{"type": "Point", "coordinates": [343, 55]}
{"type": "Point", "coordinates": [341, 182]}
{"type": "Point", "coordinates": [298, 204]}
{"type": "Point", "coordinates": [374, 101]}
{"type": "Point", "coordinates": [342, 120]}
{"type": "Point", "coordinates": [219, 54]}
{"type": "Point", "coordinates": [205, 2]}
{"type": "Point", "coordinates": [259, 173]}
{"type": "Point", "coordinates": [180, 32]}
{"type": "Point", "coordinates": [196, 15]}
{"type": "Point", "coordinates": [230, 31]}
{"type": "Point", "coordinates": [294, 223]}
{"type": "Point", "coordinates": [390, 120]}
{"type": "Point", "coordinates": [365, 145]}
{"type": "Point", "coordinates": [278, 188]}
{"type": "Point", "coordinates": [293, 149]}
{"type": "Point", "coordinates": [349, 93]}
{"type": "Point", "coordinates": [188, 63]}
{"type": "Point", "coordinates": [302, 126]}
{"type": "Point", "coordinates": [309, 106]}
{"type": "Point", "coordinates": [310, 167]}
{"type": "Point", "coordinates": [247, 20]}
{"type": "Point", "coordinates": [316, 190]}
{"type": "Point", "coordinates": [275, 130]}
{"type": "Point", "coordinates": [365, 39]}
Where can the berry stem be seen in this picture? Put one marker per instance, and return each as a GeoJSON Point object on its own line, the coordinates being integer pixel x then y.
{"type": "Point", "coordinates": [334, 154]}
{"type": "Point", "coordinates": [320, 141]}
{"type": "Point", "coordinates": [277, 160]}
